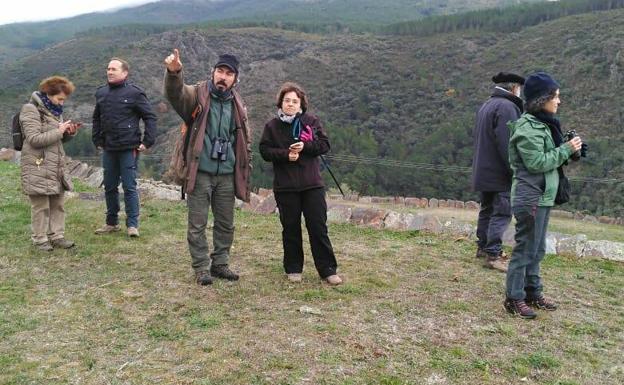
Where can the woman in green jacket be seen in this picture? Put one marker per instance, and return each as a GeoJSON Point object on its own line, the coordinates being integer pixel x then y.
{"type": "Point", "coordinates": [536, 150]}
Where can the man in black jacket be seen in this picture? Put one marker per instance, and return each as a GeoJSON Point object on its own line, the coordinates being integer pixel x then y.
{"type": "Point", "coordinates": [119, 107]}
{"type": "Point", "coordinates": [491, 174]}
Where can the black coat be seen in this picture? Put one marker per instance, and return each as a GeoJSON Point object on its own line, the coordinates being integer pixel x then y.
{"type": "Point", "coordinates": [304, 173]}
{"type": "Point", "coordinates": [118, 109]}
{"type": "Point", "coordinates": [490, 164]}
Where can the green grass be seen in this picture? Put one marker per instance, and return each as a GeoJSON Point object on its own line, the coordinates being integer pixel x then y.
{"type": "Point", "coordinates": [415, 309]}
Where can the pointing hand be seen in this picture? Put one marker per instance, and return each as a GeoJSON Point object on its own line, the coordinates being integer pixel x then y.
{"type": "Point", "coordinates": [172, 62]}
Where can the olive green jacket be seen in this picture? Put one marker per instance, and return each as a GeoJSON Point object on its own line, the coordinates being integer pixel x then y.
{"type": "Point", "coordinates": [534, 160]}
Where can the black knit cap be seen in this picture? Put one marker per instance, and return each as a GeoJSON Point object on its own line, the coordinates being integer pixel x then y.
{"type": "Point", "coordinates": [507, 77]}
{"type": "Point", "coordinates": [539, 84]}
{"type": "Point", "coordinates": [229, 61]}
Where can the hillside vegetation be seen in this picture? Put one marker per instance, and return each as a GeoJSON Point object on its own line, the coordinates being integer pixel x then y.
{"type": "Point", "coordinates": [20, 39]}
{"type": "Point", "coordinates": [382, 98]}
{"type": "Point", "coordinates": [416, 308]}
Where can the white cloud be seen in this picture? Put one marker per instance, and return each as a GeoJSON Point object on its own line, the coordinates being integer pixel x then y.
{"type": "Point", "coordinates": [38, 10]}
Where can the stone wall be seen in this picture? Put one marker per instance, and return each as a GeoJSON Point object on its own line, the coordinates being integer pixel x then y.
{"type": "Point", "coordinates": [350, 209]}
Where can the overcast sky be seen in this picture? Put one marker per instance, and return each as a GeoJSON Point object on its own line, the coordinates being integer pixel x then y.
{"type": "Point", "coordinates": [37, 10]}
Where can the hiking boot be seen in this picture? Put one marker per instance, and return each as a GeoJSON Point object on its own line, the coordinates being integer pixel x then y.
{"type": "Point", "coordinates": [133, 232]}
{"type": "Point", "coordinates": [294, 277]}
{"type": "Point", "coordinates": [333, 280]}
{"type": "Point", "coordinates": [62, 243]}
{"type": "Point", "coordinates": [45, 246]}
{"type": "Point", "coordinates": [542, 303]}
{"type": "Point", "coordinates": [203, 278]}
{"type": "Point", "coordinates": [107, 229]}
{"type": "Point", "coordinates": [223, 271]}
{"type": "Point", "coordinates": [496, 262]}
{"type": "Point", "coordinates": [519, 307]}
{"type": "Point", "coordinates": [480, 253]}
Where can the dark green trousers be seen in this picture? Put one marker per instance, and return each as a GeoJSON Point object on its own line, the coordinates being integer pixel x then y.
{"type": "Point", "coordinates": [216, 192]}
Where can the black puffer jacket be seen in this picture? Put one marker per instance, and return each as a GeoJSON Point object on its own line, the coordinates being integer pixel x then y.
{"type": "Point", "coordinates": [118, 109]}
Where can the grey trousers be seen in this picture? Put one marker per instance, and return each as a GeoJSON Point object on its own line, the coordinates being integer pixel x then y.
{"type": "Point", "coordinates": [47, 215]}
{"type": "Point", "coordinates": [216, 192]}
{"type": "Point", "coordinates": [523, 273]}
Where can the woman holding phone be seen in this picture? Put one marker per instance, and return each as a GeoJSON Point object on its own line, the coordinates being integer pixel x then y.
{"type": "Point", "coordinates": [293, 142]}
{"type": "Point", "coordinates": [42, 161]}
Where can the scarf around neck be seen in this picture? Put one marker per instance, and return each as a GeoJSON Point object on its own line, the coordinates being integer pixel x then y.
{"type": "Point", "coordinates": [55, 109]}
{"type": "Point", "coordinates": [553, 123]}
{"type": "Point", "coordinates": [216, 92]}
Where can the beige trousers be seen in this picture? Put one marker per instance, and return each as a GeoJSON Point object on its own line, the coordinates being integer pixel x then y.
{"type": "Point", "coordinates": [47, 214]}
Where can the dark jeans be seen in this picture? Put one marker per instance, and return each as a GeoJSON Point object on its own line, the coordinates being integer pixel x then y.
{"type": "Point", "coordinates": [494, 217]}
{"type": "Point", "coordinates": [216, 192]}
{"type": "Point", "coordinates": [314, 208]}
{"type": "Point", "coordinates": [523, 274]}
{"type": "Point", "coordinates": [121, 166]}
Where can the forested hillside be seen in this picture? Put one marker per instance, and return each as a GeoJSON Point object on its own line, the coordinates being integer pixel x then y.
{"type": "Point", "coordinates": [21, 39]}
{"type": "Point", "coordinates": [399, 108]}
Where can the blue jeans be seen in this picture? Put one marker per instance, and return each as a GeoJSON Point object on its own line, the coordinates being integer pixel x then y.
{"type": "Point", "coordinates": [523, 273]}
{"type": "Point", "coordinates": [121, 166]}
{"type": "Point", "coordinates": [494, 217]}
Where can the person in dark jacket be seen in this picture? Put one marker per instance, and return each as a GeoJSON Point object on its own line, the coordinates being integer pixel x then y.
{"type": "Point", "coordinates": [293, 142]}
{"type": "Point", "coordinates": [218, 159]}
{"type": "Point", "coordinates": [119, 106]}
{"type": "Point", "coordinates": [491, 174]}
{"type": "Point", "coordinates": [536, 151]}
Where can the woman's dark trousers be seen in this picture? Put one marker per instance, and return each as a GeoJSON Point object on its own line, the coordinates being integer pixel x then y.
{"type": "Point", "coordinates": [523, 274]}
{"type": "Point", "coordinates": [314, 208]}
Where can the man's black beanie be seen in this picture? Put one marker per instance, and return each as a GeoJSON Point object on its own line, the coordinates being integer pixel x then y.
{"type": "Point", "coordinates": [539, 84]}
{"type": "Point", "coordinates": [229, 61]}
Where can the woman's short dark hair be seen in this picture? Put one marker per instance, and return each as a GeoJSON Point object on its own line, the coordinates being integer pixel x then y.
{"type": "Point", "coordinates": [54, 85]}
{"type": "Point", "coordinates": [292, 87]}
{"type": "Point", "coordinates": [536, 105]}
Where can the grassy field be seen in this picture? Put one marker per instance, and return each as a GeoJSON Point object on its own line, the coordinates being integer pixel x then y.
{"type": "Point", "coordinates": [416, 309]}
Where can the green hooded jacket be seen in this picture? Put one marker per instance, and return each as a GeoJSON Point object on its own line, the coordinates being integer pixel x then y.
{"type": "Point", "coordinates": [534, 160]}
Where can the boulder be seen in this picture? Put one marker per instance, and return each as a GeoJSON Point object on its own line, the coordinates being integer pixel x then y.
{"type": "Point", "coordinates": [605, 249]}
{"type": "Point", "coordinates": [7, 154]}
{"type": "Point", "coordinates": [263, 192]}
{"type": "Point", "coordinates": [254, 201]}
{"type": "Point", "coordinates": [369, 217]}
{"type": "Point", "coordinates": [267, 205]}
{"type": "Point", "coordinates": [339, 214]}
{"type": "Point", "coordinates": [572, 244]}
{"type": "Point", "coordinates": [425, 222]}
{"type": "Point", "coordinates": [434, 203]}
{"type": "Point", "coordinates": [562, 214]}
{"type": "Point", "coordinates": [472, 205]}
{"type": "Point", "coordinates": [460, 205]}
{"type": "Point", "coordinates": [398, 221]}
{"type": "Point", "coordinates": [411, 201]}
{"type": "Point", "coordinates": [96, 177]}
{"type": "Point", "coordinates": [365, 199]}
{"type": "Point", "coordinates": [160, 191]}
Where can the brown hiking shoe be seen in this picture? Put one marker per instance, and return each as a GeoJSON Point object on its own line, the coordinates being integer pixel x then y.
{"type": "Point", "coordinates": [107, 229]}
{"type": "Point", "coordinates": [62, 243]}
{"type": "Point", "coordinates": [133, 232]}
{"type": "Point", "coordinates": [203, 278]}
{"type": "Point", "coordinates": [45, 246]}
{"type": "Point", "coordinates": [496, 262]}
{"type": "Point", "coordinates": [519, 307]}
{"type": "Point", "coordinates": [542, 303]}
{"type": "Point", "coordinates": [223, 271]}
